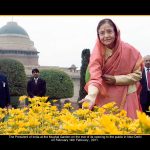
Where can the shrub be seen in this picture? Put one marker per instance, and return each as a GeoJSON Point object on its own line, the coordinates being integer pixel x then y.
{"type": "Point", "coordinates": [15, 72]}
{"type": "Point", "coordinates": [59, 84]}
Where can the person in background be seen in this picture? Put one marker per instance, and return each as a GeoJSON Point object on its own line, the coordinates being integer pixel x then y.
{"type": "Point", "coordinates": [145, 82]}
{"type": "Point", "coordinates": [115, 69]}
{"type": "Point", "coordinates": [4, 92]}
{"type": "Point", "coordinates": [36, 86]}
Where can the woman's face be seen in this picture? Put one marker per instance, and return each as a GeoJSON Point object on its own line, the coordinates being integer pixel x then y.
{"type": "Point", "coordinates": [107, 35]}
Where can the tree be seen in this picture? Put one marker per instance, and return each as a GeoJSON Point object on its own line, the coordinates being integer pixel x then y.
{"type": "Point", "coordinates": [85, 61]}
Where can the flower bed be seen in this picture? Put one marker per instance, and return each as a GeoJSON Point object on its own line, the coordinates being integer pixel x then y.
{"type": "Point", "coordinates": [40, 117]}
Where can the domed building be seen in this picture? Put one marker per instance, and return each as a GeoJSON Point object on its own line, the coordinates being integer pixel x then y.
{"type": "Point", "coordinates": [16, 44]}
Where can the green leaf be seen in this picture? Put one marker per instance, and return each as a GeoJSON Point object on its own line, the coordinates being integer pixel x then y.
{"type": "Point", "coordinates": [87, 75]}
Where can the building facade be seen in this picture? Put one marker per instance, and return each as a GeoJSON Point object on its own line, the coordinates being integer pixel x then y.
{"type": "Point", "coordinates": [15, 43]}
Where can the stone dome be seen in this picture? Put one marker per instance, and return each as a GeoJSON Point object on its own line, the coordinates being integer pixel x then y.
{"type": "Point", "coordinates": [16, 44]}
{"type": "Point", "coordinates": [13, 28]}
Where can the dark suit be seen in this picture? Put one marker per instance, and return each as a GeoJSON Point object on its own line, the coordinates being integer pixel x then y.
{"type": "Point", "coordinates": [4, 92]}
{"type": "Point", "coordinates": [145, 94]}
{"type": "Point", "coordinates": [38, 89]}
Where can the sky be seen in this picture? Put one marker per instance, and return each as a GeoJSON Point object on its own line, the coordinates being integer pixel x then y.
{"type": "Point", "coordinates": [61, 39]}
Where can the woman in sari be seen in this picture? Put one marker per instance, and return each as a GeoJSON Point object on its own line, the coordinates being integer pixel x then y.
{"type": "Point", "coordinates": [115, 69]}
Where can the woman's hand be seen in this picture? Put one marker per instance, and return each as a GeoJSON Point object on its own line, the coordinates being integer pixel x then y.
{"type": "Point", "coordinates": [109, 79]}
{"type": "Point", "coordinates": [90, 99]}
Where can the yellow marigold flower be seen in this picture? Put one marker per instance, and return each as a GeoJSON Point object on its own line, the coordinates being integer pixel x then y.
{"type": "Point", "coordinates": [92, 115]}
{"type": "Point", "coordinates": [144, 120]}
{"type": "Point", "coordinates": [31, 99]}
{"type": "Point", "coordinates": [55, 100]}
{"type": "Point", "coordinates": [68, 106]}
{"type": "Point", "coordinates": [53, 108]}
{"type": "Point", "coordinates": [109, 105]}
{"type": "Point", "coordinates": [22, 98]}
{"type": "Point", "coordinates": [85, 105]}
{"type": "Point", "coordinates": [82, 113]}
{"type": "Point", "coordinates": [139, 131]}
{"type": "Point", "coordinates": [21, 130]}
{"type": "Point", "coordinates": [9, 131]}
{"type": "Point", "coordinates": [123, 113]}
{"type": "Point", "coordinates": [148, 109]}
{"type": "Point", "coordinates": [95, 131]}
{"type": "Point", "coordinates": [44, 98]}
{"type": "Point", "coordinates": [101, 110]}
{"type": "Point", "coordinates": [33, 122]}
{"type": "Point", "coordinates": [3, 113]}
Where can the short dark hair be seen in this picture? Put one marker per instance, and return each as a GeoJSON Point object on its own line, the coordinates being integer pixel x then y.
{"type": "Point", "coordinates": [35, 70]}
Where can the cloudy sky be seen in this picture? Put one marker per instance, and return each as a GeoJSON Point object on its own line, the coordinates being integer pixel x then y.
{"type": "Point", "coordinates": [61, 39]}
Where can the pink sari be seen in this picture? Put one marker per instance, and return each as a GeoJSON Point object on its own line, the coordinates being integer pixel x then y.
{"type": "Point", "coordinates": [124, 60]}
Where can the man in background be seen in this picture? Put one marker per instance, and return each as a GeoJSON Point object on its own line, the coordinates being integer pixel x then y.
{"type": "Point", "coordinates": [36, 86]}
{"type": "Point", "coordinates": [4, 92]}
{"type": "Point", "coordinates": [145, 82]}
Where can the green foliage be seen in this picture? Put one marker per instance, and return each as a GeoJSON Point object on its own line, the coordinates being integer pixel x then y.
{"type": "Point", "coordinates": [14, 101]}
{"type": "Point", "coordinates": [87, 75]}
{"type": "Point", "coordinates": [58, 83]}
{"type": "Point", "coordinates": [15, 72]}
